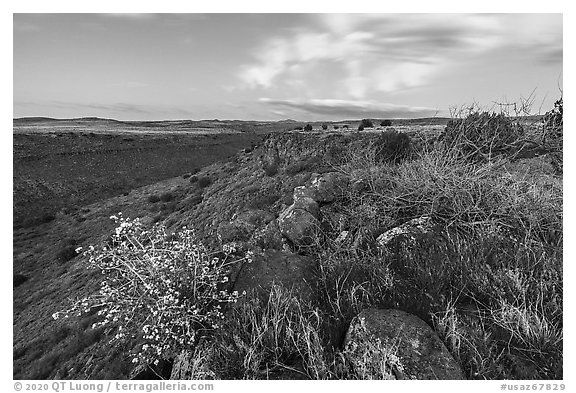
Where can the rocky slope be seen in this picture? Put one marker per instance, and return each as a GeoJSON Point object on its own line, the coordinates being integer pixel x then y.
{"type": "Point", "coordinates": [329, 218]}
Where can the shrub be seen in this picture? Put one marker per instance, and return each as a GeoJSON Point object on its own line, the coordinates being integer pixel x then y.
{"type": "Point", "coordinates": [336, 127]}
{"type": "Point", "coordinates": [386, 123]}
{"type": "Point", "coordinates": [367, 123]}
{"type": "Point", "coordinates": [299, 128]}
{"type": "Point", "coordinates": [193, 200]}
{"type": "Point", "coordinates": [153, 198]}
{"type": "Point", "coordinates": [324, 126]}
{"type": "Point", "coordinates": [271, 169]}
{"type": "Point", "coordinates": [161, 290]}
{"type": "Point", "coordinates": [169, 206]}
{"type": "Point", "coordinates": [193, 179]}
{"type": "Point", "coordinates": [345, 126]}
{"type": "Point", "coordinates": [186, 175]}
{"type": "Point", "coordinates": [19, 279]}
{"type": "Point", "coordinates": [392, 146]}
{"type": "Point", "coordinates": [66, 253]}
{"type": "Point", "coordinates": [204, 181]}
{"type": "Point", "coordinates": [166, 197]}
{"type": "Point", "coordinates": [308, 127]}
{"type": "Point", "coordinates": [361, 127]}
{"type": "Point", "coordinates": [301, 165]}
{"type": "Point", "coordinates": [482, 135]}
{"type": "Point", "coordinates": [554, 123]}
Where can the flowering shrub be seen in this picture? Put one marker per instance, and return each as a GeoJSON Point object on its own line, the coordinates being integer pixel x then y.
{"type": "Point", "coordinates": [162, 290]}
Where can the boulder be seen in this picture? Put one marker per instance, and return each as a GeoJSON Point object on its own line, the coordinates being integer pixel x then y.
{"type": "Point", "coordinates": [327, 187]}
{"type": "Point", "coordinates": [343, 238]}
{"type": "Point", "coordinates": [284, 268]}
{"type": "Point", "coordinates": [303, 192]}
{"type": "Point", "coordinates": [298, 224]}
{"type": "Point", "coordinates": [393, 344]}
{"type": "Point", "coordinates": [268, 237]}
{"type": "Point", "coordinates": [419, 249]}
{"type": "Point", "coordinates": [409, 233]}
{"type": "Point", "coordinates": [307, 204]}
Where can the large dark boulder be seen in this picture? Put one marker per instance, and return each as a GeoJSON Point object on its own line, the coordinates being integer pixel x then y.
{"type": "Point", "coordinates": [298, 224]}
{"type": "Point", "coordinates": [283, 268]}
{"type": "Point", "coordinates": [392, 344]}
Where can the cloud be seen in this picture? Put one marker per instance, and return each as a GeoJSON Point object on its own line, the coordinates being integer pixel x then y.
{"type": "Point", "coordinates": [341, 109]}
{"type": "Point", "coordinates": [131, 16]}
{"type": "Point", "coordinates": [391, 52]}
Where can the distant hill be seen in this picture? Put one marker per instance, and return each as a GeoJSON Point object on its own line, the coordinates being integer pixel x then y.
{"type": "Point", "coordinates": [37, 120]}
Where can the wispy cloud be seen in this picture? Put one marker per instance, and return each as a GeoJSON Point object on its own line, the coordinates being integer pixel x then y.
{"type": "Point", "coordinates": [349, 109]}
{"type": "Point", "coordinates": [387, 53]}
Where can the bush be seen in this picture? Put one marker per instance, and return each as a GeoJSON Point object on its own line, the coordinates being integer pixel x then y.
{"type": "Point", "coordinates": [166, 197]}
{"type": "Point", "coordinates": [161, 290]}
{"type": "Point", "coordinates": [169, 207]}
{"type": "Point", "coordinates": [336, 127]}
{"type": "Point", "coordinates": [186, 175]}
{"type": "Point", "coordinates": [554, 123]}
{"type": "Point", "coordinates": [302, 165]}
{"type": "Point", "coordinates": [204, 182]}
{"type": "Point", "coordinates": [44, 218]}
{"type": "Point", "coordinates": [193, 179]}
{"type": "Point", "coordinates": [298, 128]}
{"type": "Point", "coordinates": [19, 279]}
{"type": "Point", "coordinates": [386, 123]}
{"type": "Point", "coordinates": [271, 169]}
{"type": "Point", "coordinates": [367, 123]}
{"type": "Point", "coordinates": [67, 253]}
{"type": "Point", "coordinates": [324, 126]}
{"type": "Point", "coordinates": [482, 135]}
{"type": "Point", "coordinates": [193, 200]}
{"type": "Point", "coordinates": [153, 198]}
{"type": "Point", "coordinates": [361, 127]}
{"type": "Point", "coordinates": [392, 146]}
{"type": "Point", "coordinates": [308, 127]}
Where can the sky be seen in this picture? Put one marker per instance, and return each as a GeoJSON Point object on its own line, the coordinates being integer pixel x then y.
{"type": "Point", "coordinates": [308, 67]}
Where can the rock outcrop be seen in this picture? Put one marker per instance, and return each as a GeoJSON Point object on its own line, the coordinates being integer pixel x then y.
{"type": "Point", "coordinates": [298, 225]}
{"type": "Point", "coordinates": [300, 220]}
{"type": "Point", "coordinates": [392, 344]}
{"type": "Point", "coordinates": [327, 187]}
